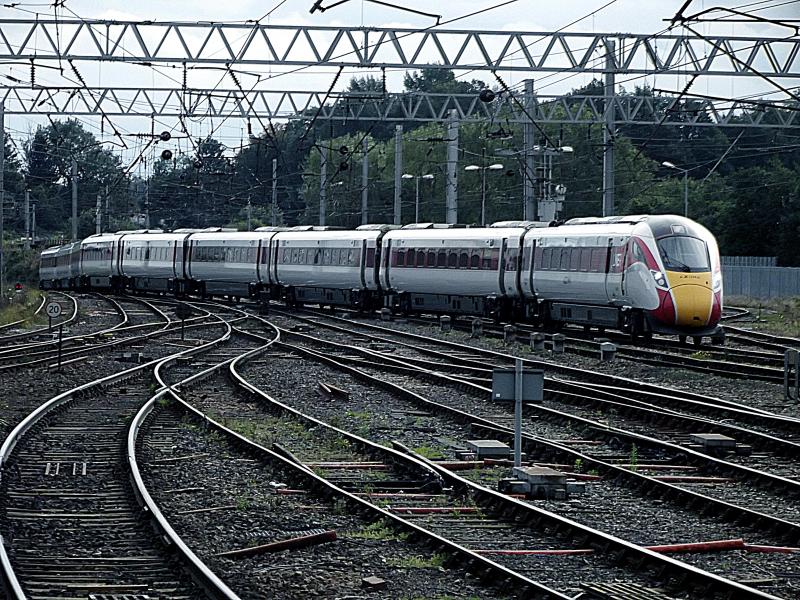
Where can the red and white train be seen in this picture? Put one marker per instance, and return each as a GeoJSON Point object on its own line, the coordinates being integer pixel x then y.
{"type": "Point", "coordinates": [640, 274]}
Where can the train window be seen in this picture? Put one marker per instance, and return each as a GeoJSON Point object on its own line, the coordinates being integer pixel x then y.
{"type": "Point", "coordinates": [285, 258]}
{"type": "Point", "coordinates": [586, 260]}
{"type": "Point", "coordinates": [574, 259]}
{"type": "Point", "coordinates": [487, 258]}
{"type": "Point", "coordinates": [399, 258]}
{"type": "Point", "coordinates": [463, 259]}
{"type": "Point", "coordinates": [452, 259]}
{"type": "Point", "coordinates": [598, 260]}
{"type": "Point", "coordinates": [637, 255]}
{"type": "Point", "coordinates": [326, 256]}
{"type": "Point", "coordinates": [411, 257]}
{"type": "Point", "coordinates": [441, 258]}
{"type": "Point", "coordinates": [565, 254]}
{"type": "Point", "coordinates": [351, 257]}
{"type": "Point", "coordinates": [421, 254]}
{"type": "Point", "coordinates": [475, 260]}
{"type": "Point", "coordinates": [430, 261]}
{"type": "Point", "coordinates": [511, 259]}
{"type": "Point", "coordinates": [370, 257]}
{"type": "Point", "coordinates": [684, 253]}
{"type": "Point", "coordinates": [549, 261]}
{"type": "Point", "coordinates": [343, 256]}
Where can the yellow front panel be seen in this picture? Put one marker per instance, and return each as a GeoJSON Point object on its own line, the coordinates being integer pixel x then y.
{"type": "Point", "coordinates": [693, 297]}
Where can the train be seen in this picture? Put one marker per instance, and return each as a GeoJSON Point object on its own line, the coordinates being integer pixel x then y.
{"type": "Point", "coordinates": [639, 274]}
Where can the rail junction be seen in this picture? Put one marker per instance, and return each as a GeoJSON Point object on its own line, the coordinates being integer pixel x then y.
{"type": "Point", "coordinates": [310, 431]}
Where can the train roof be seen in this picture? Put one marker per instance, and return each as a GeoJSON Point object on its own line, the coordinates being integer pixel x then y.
{"type": "Point", "coordinates": [470, 233]}
{"type": "Point", "coordinates": [329, 235]}
{"type": "Point", "coordinates": [151, 237]}
{"type": "Point", "coordinates": [237, 236]}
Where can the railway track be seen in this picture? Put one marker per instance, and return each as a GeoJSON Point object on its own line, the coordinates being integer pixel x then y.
{"type": "Point", "coordinates": [65, 465]}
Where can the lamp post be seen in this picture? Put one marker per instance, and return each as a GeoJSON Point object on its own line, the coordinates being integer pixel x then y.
{"type": "Point", "coordinates": [494, 167]}
{"type": "Point", "coordinates": [416, 197]}
{"type": "Point", "coordinates": [685, 172]}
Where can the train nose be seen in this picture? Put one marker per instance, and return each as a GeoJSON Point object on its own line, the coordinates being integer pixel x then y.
{"type": "Point", "coordinates": [693, 304]}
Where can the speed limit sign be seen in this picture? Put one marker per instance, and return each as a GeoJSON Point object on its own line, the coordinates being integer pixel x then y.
{"type": "Point", "coordinates": [53, 310]}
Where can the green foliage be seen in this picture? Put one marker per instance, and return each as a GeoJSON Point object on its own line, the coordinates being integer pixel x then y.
{"type": "Point", "coordinates": [380, 531]}
{"type": "Point", "coordinates": [21, 307]}
{"type": "Point", "coordinates": [429, 452]}
{"type": "Point", "coordinates": [416, 561]}
{"type": "Point", "coordinates": [634, 458]}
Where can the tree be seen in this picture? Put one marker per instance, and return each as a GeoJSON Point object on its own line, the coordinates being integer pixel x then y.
{"type": "Point", "coordinates": [49, 155]}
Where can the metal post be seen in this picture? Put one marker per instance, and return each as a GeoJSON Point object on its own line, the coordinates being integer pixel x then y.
{"type": "Point", "coordinates": [274, 196]}
{"type": "Point", "coordinates": [250, 214]}
{"type": "Point", "coordinates": [686, 193]}
{"type": "Point", "coordinates": [530, 211]}
{"type": "Point", "coordinates": [33, 223]}
{"type": "Point", "coordinates": [518, 413]}
{"type": "Point", "coordinates": [74, 178]}
{"type": "Point", "coordinates": [364, 180]}
{"type": "Point", "coordinates": [323, 185]}
{"type": "Point", "coordinates": [483, 186]}
{"type": "Point", "coordinates": [97, 213]}
{"type": "Point", "coordinates": [2, 203]}
{"type": "Point", "coordinates": [108, 214]}
{"type": "Point", "coordinates": [27, 219]}
{"type": "Point", "coordinates": [398, 172]}
{"type": "Point", "coordinates": [416, 200]}
{"type": "Point", "coordinates": [608, 133]}
{"type": "Point", "coordinates": [60, 341]}
{"type": "Point", "coordinates": [451, 184]}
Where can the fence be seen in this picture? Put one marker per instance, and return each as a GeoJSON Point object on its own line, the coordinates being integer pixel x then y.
{"type": "Point", "coordinates": [761, 282]}
{"type": "Point", "coordinates": [749, 261]}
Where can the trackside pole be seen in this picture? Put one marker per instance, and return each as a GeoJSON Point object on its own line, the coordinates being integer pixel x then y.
{"type": "Point", "coordinates": [518, 413]}
{"type": "Point", "coordinates": [60, 334]}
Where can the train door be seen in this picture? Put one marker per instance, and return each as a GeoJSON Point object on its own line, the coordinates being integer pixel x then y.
{"type": "Point", "coordinates": [386, 258]}
{"type": "Point", "coordinates": [615, 257]}
{"type": "Point", "coordinates": [501, 265]}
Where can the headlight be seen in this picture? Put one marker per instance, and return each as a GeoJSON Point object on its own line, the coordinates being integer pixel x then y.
{"type": "Point", "coordinates": [659, 278]}
{"type": "Point", "coordinates": [716, 281]}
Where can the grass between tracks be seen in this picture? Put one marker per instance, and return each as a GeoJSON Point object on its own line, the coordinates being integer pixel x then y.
{"type": "Point", "coordinates": [780, 316]}
{"type": "Point", "coordinates": [22, 306]}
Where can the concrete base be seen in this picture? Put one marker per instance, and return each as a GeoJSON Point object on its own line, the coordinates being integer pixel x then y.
{"type": "Point", "coordinates": [488, 449]}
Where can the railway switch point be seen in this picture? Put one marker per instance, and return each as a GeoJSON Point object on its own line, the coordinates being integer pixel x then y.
{"type": "Point", "coordinates": [477, 328]}
{"type": "Point", "coordinates": [607, 352]}
{"type": "Point", "coordinates": [558, 343]}
{"type": "Point", "coordinates": [488, 449]}
{"type": "Point", "coordinates": [445, 323]}
{"type": "Point", "coordinates": [509, 334]}
{"type": "Point", "coordinates": [537, 342]}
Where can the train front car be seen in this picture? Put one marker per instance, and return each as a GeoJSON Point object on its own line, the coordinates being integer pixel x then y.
{"type": "Point", "coordinates": [684, 263]}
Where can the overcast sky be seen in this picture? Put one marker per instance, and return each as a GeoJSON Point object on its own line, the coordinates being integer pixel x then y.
{"type": "Point", "coordinates": [628, 16]}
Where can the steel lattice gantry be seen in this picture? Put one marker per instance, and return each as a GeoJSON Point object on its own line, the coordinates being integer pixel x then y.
{"type": "Point", "coordinates": [257, 44]}
{"type": "Point", "coordinates": [574, 109]}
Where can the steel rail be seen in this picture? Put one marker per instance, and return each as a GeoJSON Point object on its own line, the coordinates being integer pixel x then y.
{"type": "Point", "coordinates": [556, 522]}
{"type": "Point", "coordinates": [201, 573]}
{"type": "Point", "coordinates": [474, 561]}
{"type": "Point", "coordinates": [631, 385]}
{"type": "Point", "coordinates": [787, 529]}
{"type": "Point", "coordinates": [34, 418]}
